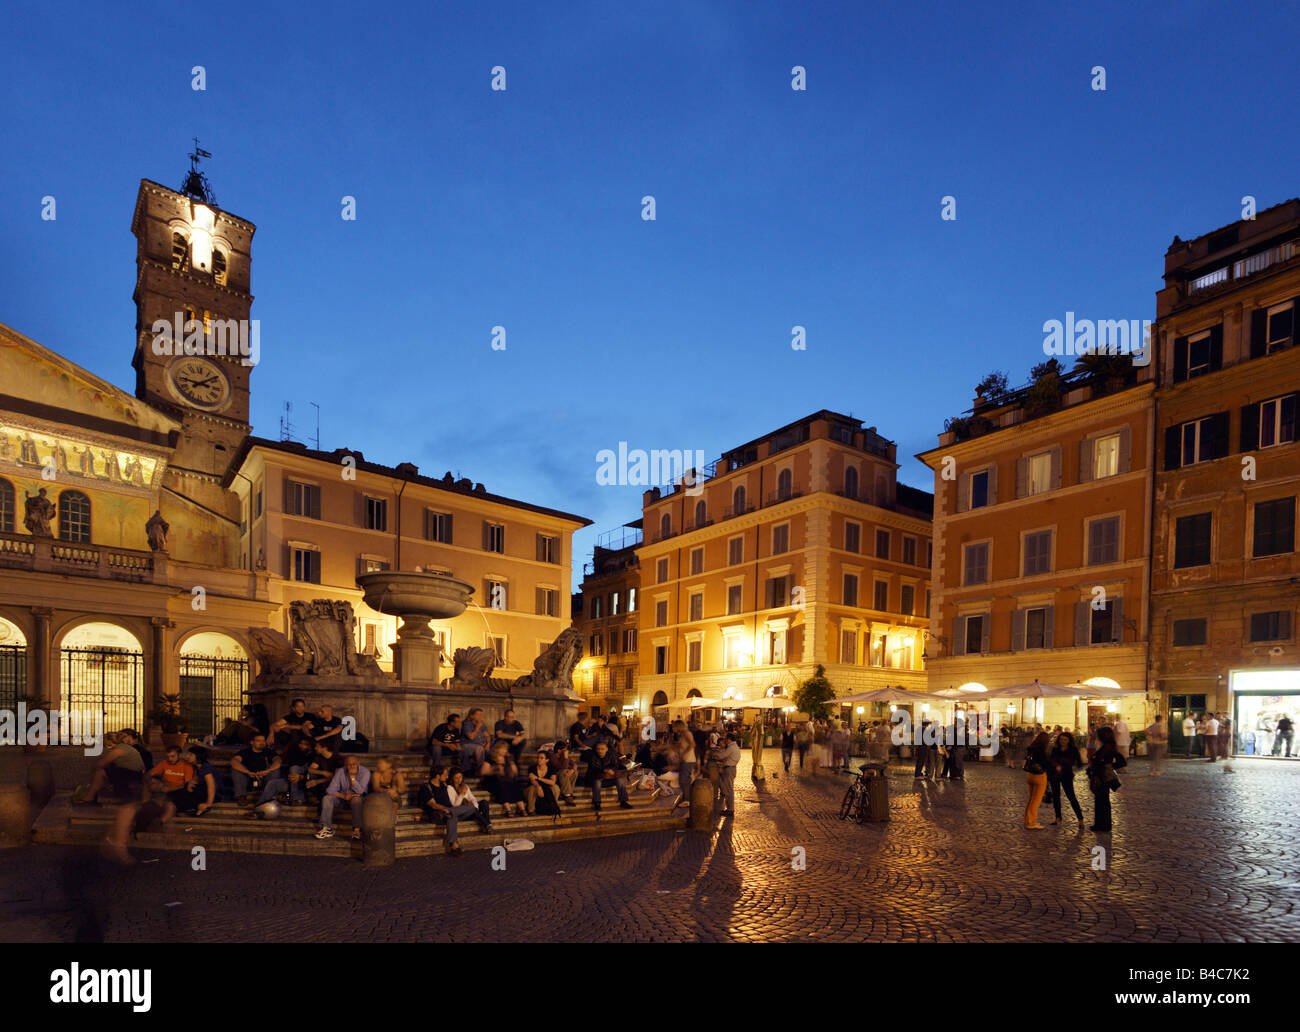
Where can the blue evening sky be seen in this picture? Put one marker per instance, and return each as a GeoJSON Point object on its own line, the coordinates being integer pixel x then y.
{"type": "Point", "coordinates": [522, 208]}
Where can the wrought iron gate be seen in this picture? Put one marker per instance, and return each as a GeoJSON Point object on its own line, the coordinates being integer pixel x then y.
{"type": "Point", "coordinates": [107, 681]}
{"type": "Point", "coordinates": [212, 690]}
{"type": "Point", "coordinates": [13, 675]}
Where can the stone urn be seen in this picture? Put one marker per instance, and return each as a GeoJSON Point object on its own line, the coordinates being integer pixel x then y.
{"type": "Point", "coordinates": [417, 598]}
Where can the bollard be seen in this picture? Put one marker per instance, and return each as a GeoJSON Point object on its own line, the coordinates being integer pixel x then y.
{"type": "Point", "coordinates": [15, 815]}
{"type": "Point", "coordinates": [378, 831]}
{"type": "Point", "coordinates": [40, 783]}
{"type": "Point", "coordinates": [702, 805]}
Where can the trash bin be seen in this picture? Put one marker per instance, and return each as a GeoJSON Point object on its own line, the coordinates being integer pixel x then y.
{"type": "Point", "coordinates": [877, 808]}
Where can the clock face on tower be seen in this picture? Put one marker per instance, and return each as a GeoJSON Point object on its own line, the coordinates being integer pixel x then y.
{"type": "Point", "coordinates": [198, 382]}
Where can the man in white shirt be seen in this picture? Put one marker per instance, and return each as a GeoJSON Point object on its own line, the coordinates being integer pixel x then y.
{"type": "Point", "coordinates": [1123, 738]}
{"type": "Point", "coordinates": [1210, 733]}
{"type": "Point", "coordinates": [1189, 733]}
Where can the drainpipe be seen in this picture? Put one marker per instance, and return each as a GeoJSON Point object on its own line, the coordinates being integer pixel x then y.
{"type": "Point", "coordinates": [397, 551]}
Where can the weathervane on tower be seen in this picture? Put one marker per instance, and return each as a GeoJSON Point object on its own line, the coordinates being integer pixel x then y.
{"type": "Point", "coordinates": [196, 184]}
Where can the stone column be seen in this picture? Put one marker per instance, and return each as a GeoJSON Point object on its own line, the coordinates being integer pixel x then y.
{"type": "Point", "coordinates": [40, 680]}
{"type": "Point", "coordinates": [159, 659]}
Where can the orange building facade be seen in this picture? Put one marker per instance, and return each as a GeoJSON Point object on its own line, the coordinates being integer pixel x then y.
{"type": "Point", "coordinates": [1225, 570]}
{"type": "Point", "coordinates": [796, 549]}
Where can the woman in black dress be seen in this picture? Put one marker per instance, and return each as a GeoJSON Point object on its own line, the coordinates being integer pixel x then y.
{"type": "Point", "coordinates": [1062, 764]}
{"type": "Point", "coordinates": [543, 791]}
{"type": "Point", "coordinates": [1102, 776]}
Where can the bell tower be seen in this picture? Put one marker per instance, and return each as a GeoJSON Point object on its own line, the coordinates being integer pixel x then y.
{"type": "Point", "coordinates": [195, 343]}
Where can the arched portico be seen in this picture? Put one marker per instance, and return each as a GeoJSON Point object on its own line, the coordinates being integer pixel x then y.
{"type": "Point", "coordinates": [101, 671]}
{"type": "Point", "coordinates": [214, 671]}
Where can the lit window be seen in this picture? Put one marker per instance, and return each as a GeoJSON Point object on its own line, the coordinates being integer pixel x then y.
{"type": "Point", "coordinates": [1105, 456]}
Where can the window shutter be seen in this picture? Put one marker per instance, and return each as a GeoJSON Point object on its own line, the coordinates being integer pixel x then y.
{"type": "Point", "coordinates": [1249, 427]}
{"type": "Point", "coordinates": [315, 558]}
{"type": "Point", "coordinates": [1056, 467]}
{"type": "Point", "coordinates": [1082, 623]}
{"type": "Point", "coordinates": [1173, 446]}
{"type": "Point", "coordinates": [314, 494]}
{"type": "Point", "coordinates": [993, 485]}
{"type": "Point", "coordinates": [359, 508]}
{"type": "Point", "coordinates": [487, 537]}
{"type": "Point", "coordinates": [287, 554]}
{"type": "Point", "coordinates": [985, 626]}
{"type": "Point", "coordinates": [1049, 620]}
{"type": "Point", "coordinates": [1018, 631]}
{"type": "Point", "coordinates": [1218, 435]}
{"type": "Point", "coordinates": [1180, 359]}
{"type": "Point", "coordinates": [288, 496]}
{"type": "Point", "coordinates": [1085, 460]}
{"type": "Point", "coordinates": [963, 492]}
{"type": "Point", "coordinates": [1125, 450]}
{"type": "Point", "coordinates": [959, 636]}
{"type": "Point", "coordinates": [1117, 619]}
{"type": "Point", "coordinates": [1259, 332]}
{"type": "Point", "coordinates": [1022, 477]}
{"type": "Point", "coordinates": [361, 565]}
{"type": "Point", "coordinates": [1289, 405]}
{"type": "Point", "coordinates": [541, 601]}
{"type": "Point", "coordinates": [541, 549]}
{"type": "Point", "coordinates": [1216, 348]}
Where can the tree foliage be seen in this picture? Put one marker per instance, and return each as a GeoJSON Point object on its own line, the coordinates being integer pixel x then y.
{"type": "Point", "coordinates": [813, 694]}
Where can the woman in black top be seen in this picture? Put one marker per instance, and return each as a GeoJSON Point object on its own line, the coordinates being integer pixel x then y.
{"type": "Point", "coordinates": [1102, 777]}
{"type": "Point", "coordinates": [502, 781]}
{"type": "Point", "coordinates": [1061, 765]}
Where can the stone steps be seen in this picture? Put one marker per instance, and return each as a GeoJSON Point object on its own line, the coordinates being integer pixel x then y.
{"type": "Point", "coordinates": [227, 828]}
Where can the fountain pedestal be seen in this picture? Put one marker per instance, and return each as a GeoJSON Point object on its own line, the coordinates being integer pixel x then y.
{"type": "Point", "coordinates": [416, 598]}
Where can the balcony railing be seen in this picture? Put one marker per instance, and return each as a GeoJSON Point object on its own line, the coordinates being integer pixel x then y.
{"type": "Point", "coordinates": [50, 555]}
{"type": "Point", "coordinates": [1245, 267]}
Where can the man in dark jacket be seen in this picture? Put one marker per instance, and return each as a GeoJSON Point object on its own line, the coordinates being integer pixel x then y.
{"type": "Point", "coordinates": [604, 770]}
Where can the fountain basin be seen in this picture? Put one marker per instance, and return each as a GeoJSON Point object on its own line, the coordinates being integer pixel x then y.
{"type": "Point", "coordinates": [417, 598]}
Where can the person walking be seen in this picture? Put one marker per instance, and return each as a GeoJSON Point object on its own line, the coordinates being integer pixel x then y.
{"type": "Point", "coordinates": [802, 740]}
{"type": "Point", "coordinates": [1036, 777]}
{"type": "Point", "coordinates": [1157, 739]}
{"type": "Point", "coordinates": [1226, 744]}
{"type": "Point", "coordinates": [1189, 734]}
{"type": "Point", "coordinates": [1103, 777]}
{"type": "Point", "coordinates": [787, 746]}
{"type": "Point", "coordinates": [1062, 763]}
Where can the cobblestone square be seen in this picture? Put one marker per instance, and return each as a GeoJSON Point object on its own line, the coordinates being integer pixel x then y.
{"type": "Point", "coordinates": [1197, 855]}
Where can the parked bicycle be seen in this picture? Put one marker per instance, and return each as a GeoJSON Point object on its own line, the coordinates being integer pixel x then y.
{"type": "Point", "coordinates": [855, 802]}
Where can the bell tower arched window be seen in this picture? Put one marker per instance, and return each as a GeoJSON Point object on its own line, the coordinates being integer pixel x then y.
{"type": "Point", "coordinates": [180, 251]}
{"type": "Point", "coordinates": [219, 267]}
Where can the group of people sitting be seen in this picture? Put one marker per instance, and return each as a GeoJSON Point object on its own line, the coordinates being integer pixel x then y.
{"type": "Point", "coordinates": [302, 758]}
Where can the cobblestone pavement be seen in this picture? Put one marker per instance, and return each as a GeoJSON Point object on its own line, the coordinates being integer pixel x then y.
{"type": "Point", "coordinates": [1196, 855]}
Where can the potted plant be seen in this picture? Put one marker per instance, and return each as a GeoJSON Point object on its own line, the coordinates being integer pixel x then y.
{"type": "Point", "coordinates": [167, 715]}
{"type": "Point", "coordinates": [1140, 742]}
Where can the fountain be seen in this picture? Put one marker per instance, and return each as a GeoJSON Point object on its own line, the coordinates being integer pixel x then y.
{"type": "Point", "coordinates": [318, 662]}
{"type": "Point", "coordinates": [416, 598]}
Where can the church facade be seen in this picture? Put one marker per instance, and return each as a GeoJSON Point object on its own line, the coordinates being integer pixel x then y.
{"type": "Point", "coordinates": [142, 535]}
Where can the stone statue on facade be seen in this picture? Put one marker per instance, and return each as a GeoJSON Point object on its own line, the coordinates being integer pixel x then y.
{"type": "Point", "coordinates": [39, 511]}
{"type": "Point", "coordinates": [157, 529]}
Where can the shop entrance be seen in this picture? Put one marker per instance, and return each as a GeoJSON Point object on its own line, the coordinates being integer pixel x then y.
{"type": "Point", "coordinates": [1265, 725]}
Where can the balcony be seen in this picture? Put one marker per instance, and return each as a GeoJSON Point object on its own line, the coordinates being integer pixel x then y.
{"type": "Point", "coordinates": [1244, 267]}
{"type": "Point", "coordinates": [50, 555]}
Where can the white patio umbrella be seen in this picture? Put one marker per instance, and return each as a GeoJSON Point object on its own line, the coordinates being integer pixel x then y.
{"type": "Point", "coordinates": [1033, 690]}
{"type": "Point", "coordinates": [890, 695]}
